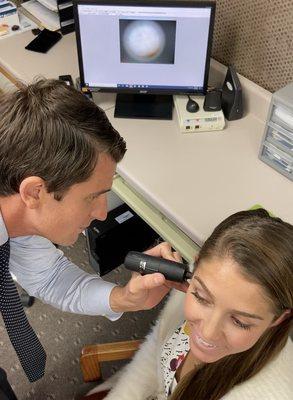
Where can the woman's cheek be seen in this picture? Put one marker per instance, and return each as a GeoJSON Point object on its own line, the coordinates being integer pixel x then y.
{"type": "Point", "coordinates": [187, 305]}
{"type": "Point", "coordinates": [192, 310]}
{"type": "Point", "coordinates": [241, 340]}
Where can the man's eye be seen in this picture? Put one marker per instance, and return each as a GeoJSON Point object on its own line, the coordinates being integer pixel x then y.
{"type": "Point", "coordinates": [94, 197]}
{"type": "Point", "coordinates": [200, 299]}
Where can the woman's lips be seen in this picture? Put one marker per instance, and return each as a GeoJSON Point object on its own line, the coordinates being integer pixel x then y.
{"type": "Point", "coordinates": [201, 342]}
{"type": "Point", "coordinates": [204, 343]}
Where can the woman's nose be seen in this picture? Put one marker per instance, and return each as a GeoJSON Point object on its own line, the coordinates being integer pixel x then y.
{"type": "Point", "coordinates": [100, 208]}
{"type": "Point", "coordinates": [211, 328]}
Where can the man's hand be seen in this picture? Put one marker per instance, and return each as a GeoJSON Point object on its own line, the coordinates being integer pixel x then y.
{"type": "Point", "coordinates": [145, 292]}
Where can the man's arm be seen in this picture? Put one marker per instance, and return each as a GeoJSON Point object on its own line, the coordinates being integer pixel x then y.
{"type": "Point", "coordinates": [44, 272]}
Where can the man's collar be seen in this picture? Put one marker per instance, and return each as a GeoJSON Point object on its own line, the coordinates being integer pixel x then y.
{"type": "Point", "coordinates": [3, 231]}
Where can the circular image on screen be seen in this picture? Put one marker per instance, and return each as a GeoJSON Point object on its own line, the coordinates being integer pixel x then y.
{"type": "Point", "coordinates": [144, 41]}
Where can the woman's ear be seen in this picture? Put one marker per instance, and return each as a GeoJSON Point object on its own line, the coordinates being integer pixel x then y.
{"type": "Point", "coordinates": [192, 265]}
{"type": "Point", "coordinates": [282, 317]}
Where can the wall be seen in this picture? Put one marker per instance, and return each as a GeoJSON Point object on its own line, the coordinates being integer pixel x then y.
{"type": "Point", "coordinates": [257, 37]}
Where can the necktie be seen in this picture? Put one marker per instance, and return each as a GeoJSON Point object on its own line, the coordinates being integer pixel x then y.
{"type": "Point", "coordinates": [23, 338]}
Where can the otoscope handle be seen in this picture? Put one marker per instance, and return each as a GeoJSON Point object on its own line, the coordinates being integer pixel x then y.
{"type": "Point", "coordinates": [145, 264]}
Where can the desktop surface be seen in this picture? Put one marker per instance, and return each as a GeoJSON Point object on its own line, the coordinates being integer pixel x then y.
{"type": "Point", "coordinates": [199, 179]}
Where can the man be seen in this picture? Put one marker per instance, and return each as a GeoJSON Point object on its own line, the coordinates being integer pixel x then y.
{"type": "Point", "coordinates": [58, 155]}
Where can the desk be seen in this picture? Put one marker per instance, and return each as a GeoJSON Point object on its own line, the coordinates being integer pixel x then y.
{"type": "Point", "coordinates": [190, 182]}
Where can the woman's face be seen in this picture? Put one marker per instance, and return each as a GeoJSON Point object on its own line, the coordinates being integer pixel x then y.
{"type": "Point", "coordinates": [226, 313]}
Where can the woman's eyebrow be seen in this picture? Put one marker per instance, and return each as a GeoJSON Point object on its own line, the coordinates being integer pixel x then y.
{"type": "Point", "coordinates": [204, 286]}
{"type": "Point", "coordinates": [246, 314]}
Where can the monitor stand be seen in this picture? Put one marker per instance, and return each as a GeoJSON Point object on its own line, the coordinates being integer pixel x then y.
{"type": "Point", "coordinates": [143, 106]}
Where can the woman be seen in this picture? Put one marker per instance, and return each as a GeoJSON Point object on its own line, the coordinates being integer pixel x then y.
{"type": "Point", "coordinates": [228, 336]}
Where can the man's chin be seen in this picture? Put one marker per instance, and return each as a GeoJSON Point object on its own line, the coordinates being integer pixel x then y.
{"type": "Point", "coordinates": [66, 241]}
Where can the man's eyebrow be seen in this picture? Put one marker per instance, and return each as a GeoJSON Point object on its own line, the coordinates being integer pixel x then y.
{"type": "Point", "coordinates": [245, 314]}
{"type": "Point", "coordinates": [204, 286]}
{"type": "Point", "coordinates": [99, 193]}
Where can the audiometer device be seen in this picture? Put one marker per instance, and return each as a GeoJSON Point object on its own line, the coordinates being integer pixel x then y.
{"type": "Point", "coordinates": [199, 121]}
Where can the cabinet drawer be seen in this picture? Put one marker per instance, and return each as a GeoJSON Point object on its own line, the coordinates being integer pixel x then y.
{"type": "Point", "coordinates": [283, 117]}
{"type": "Point", "coordinates": [280, 137]}
{"type": "Point", "coordinates": [277, 157]}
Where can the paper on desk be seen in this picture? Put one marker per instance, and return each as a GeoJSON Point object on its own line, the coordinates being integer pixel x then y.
{"type": "Point", "coordinates": [50, 4]}
{"type": "Point", "coordinates": [48, 18]}
{"type": "Point", "coordinates": [26, 24]}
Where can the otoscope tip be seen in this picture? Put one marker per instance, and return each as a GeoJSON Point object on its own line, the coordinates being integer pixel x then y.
{"type": "Point", "coordinates": [188, 275]}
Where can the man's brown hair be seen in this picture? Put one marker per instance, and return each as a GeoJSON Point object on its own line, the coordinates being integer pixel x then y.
{"type": "Point", "coordinates": [50, 130]}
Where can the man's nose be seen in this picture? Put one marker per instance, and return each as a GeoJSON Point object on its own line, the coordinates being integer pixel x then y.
{"type": "Point", "coordinates": [100, 210]}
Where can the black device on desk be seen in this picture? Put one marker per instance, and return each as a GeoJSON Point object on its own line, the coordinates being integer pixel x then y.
{"type": "Point", "coordinates": [191, 105]}
{"type": "Point", "coordinates": [144, 51]}
{"type": "Point", "coordinates": [44, 41]}
{"type": "Point", "coordinates": [232, 95]}
{"type": "Point", "coordinates": [67, 79]}
{"type": "Point", "coordinates": [212, 101]}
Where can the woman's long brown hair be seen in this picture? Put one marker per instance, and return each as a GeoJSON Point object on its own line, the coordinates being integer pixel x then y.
{"type": "Point", "coordinates": [262, 246]}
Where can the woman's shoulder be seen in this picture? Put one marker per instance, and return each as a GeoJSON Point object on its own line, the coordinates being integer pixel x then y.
{"type": "Point", "coordinates": [273, 382]}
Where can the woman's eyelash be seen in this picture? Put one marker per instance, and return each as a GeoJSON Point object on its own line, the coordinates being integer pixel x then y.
{"type": "Point", "coordinates": [240, 324]}
{"type": "Point", "coordinates": [199, 298]}
{"type": "Point", "coordinates": [235, 320]}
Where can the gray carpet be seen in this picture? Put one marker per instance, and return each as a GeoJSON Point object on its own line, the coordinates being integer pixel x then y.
{"type": "Point", "coordinates": [63, 335]}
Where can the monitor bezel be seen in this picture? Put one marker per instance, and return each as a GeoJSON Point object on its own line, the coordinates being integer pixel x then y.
{"type": "Point", "coordinates": [146, 3]}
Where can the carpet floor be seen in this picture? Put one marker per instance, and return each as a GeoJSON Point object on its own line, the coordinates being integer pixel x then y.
{"type": "Point", "coordinates": [64, 334]}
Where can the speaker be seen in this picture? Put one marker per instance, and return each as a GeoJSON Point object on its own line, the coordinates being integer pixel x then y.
{"type": "Point", "coordinates": [232, 96]}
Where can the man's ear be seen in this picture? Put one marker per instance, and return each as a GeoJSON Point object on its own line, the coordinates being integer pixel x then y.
{"type": "Point", "coordinates": [282, 317]}
{"type": "Point", "coordinates": [31, 191]}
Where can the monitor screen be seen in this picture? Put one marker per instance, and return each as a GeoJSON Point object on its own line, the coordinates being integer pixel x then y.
{"type": "Point", "coordinates": [144, 47]}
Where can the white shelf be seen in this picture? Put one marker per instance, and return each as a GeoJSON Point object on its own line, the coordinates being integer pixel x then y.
{"type": "Point", "coordinates": [48, 18]}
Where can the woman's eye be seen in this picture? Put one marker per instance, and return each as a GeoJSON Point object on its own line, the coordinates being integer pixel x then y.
{"type": "Point", "coordinates": [199, 298]}
{"type": "Point", "coordinates": [240, 324]}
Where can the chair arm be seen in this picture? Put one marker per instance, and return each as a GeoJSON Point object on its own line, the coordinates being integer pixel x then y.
{"type": "Point", "coordinates": [92, 356]}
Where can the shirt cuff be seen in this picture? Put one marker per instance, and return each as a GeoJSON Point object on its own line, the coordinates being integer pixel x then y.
{"type": "Point", "coordinates": [97, 301]}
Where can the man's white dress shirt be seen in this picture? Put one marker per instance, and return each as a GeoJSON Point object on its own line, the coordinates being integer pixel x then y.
{"type": "Point", "coordinates": [44, 272]}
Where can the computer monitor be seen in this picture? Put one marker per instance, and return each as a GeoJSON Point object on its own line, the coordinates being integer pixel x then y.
{"type": "Point", "coordinates": [145, 51]}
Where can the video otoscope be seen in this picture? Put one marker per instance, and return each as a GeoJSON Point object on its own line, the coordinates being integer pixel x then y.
{"type": "Point", "coordinates": [145, 264]}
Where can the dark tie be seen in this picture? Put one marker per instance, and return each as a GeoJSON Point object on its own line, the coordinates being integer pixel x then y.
{"type": "Point", "coordinates": [24, 340]}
